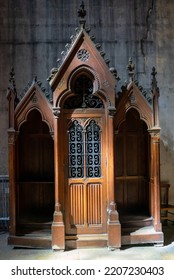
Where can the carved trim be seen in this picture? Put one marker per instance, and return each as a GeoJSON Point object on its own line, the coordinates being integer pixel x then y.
{"type": "Point", "coordinates": [12, 136]}
{"type": "Point", "coordinates": [154, 132]}
{"type": "Point", "coordinates": [52, 134]}
{"type": "Point", "coordinates": [111, 111]}
{"type": "Point", "coordinates": [56, 112]}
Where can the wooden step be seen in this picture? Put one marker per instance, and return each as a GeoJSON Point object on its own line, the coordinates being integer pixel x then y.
{"type": "Point", "coordinates": [135, 221]}
{"type": "Point", "coordinates": [86, 241]}
{"type": "Point", "coordinates": [144, 235]}
{"type": "Point", "coordinates": [31, 241]}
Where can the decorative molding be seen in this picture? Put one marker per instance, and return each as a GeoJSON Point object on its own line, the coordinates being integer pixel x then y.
{"type": "Point", "coordinates": [52, 134]}
{"type": "Point", "coordinates": [62, 81]}
{"type": "Point", "coordinates": [56, 112]}
{"type": "Point", "coordinates": [111, 111]}
{"type": "Point", "coordinates": [12, 136]}
{"type": "Point", "coordinates": [114, 73]}
{"type": "Point", "coordinates": [154, 132]}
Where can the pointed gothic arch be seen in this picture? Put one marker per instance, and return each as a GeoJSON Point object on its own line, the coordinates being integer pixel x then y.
{"type": "Point", "coordinates": [96, 93]}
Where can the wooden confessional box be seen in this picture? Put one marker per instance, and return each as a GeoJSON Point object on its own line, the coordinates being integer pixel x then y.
{"type": "Point", "coordinates": [137, 164]}
{"type": "Point", "coordinates": [84, 169]}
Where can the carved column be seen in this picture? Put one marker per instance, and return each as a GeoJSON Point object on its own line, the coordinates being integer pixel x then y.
{"type": "Point", "coordinates": [12, 136]}
{"type": "Point", "coordinates": [58, 228]}
{"type": "Point", "coordinates": [155, 150]}
{"type": "Point", "coordinates": [114, 227]}
{"type": "Point", "coordinates": [155, 178]}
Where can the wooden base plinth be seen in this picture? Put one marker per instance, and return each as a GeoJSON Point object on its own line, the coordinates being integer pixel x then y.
{"type": "Point", "coordinates": [114, 228]}
{"type": "Point", "coordinates": [58, 232]}
{"type": "Point", "coordinates": [114, 235]}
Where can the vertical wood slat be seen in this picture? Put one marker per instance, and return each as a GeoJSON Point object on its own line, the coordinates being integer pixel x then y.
{"type": "Point", "coordinates": [76, 202]}
{"type": "Point", "coordinates": [94, 203]}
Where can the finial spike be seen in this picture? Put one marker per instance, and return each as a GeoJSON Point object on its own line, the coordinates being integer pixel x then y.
{"type": "Point", "coordinates": [12, 85]}
{"type": "Point", "coordinates": [82, 14]}
{"type": "Point", "coordinates": [154, 81]}
{"type": "Point", "coordinates": [131, 68]}
{"type": "Point", "coordinates": [12, 79]}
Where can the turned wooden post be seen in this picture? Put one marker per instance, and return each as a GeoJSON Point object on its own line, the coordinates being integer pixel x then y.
{"type": "Point", "coordinates": [114, 227]}
{"type": "Point", "coordinates": [58, 228]}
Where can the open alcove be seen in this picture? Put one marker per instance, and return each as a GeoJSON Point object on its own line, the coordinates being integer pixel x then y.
{"type": "Point", "coordinates": [132, 172]}
{"type": "Point", "coordinates": [35, 176]}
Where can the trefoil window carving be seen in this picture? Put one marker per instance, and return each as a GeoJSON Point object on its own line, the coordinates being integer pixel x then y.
{"type": "Point", "coordinates": [83, 95]}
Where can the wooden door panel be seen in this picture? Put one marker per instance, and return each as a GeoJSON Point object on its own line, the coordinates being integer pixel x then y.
{"type": "Point", "coordinates": [76, 200]}
{"type": "Point", "coordinates": [85, 194]}
{"type": "Point", "coordinates": [94, 204]}
{"type": "Point", "coordinates": [85, 208]}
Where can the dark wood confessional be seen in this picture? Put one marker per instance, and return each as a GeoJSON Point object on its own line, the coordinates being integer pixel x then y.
{"type": "Point", "coordinates": [84, 159]}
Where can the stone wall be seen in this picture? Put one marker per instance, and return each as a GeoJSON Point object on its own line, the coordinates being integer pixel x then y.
{"type": "Point", "coordinates": [33, 34]}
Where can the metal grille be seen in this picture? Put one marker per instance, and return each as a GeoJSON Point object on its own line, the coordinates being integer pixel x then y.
{"type": "Point", "coordinates": [93, 153]}
{"type": "Point", "coordinates": [84, 159]}
{"type": "Point", "coordinates": [4, 201]}
{"type": "Point", "coordinates": [76, 151]}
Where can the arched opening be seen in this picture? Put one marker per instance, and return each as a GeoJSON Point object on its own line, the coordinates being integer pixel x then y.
{"type": "Point", "coordinates": [132, 151]}
{"type": "Point", "coordinates": [83, 96]}
{"type": "Point", "coordinates": [35, 175]}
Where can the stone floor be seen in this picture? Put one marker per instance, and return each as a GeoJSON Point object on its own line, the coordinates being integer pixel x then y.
{"type": "Point", "coordinates": [140, 252]}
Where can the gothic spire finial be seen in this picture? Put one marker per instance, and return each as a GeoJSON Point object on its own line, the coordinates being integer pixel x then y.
{"type": "Point", "coordinates": [131, 68]}
{"type": "Point", "coordinates": [82, 14]}
{"type": "Point", "coordinates": [154, 81]}
{"type": "Point", "coordinates": [12, 84]}
{"type": "Point", "coordinates": [12, 80]}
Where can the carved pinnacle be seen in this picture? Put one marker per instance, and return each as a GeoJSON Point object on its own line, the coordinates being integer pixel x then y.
{"type": "Point", "coordinates": [82, 11]}
{"type": "Point", "coordinates": [154, 81]}
{"type": "Point", "coordinates": [131, 68]}
{"type": "Point", "coordinates": [82, 14]}
{"type": "Point", "coordinates": [12, 79]}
